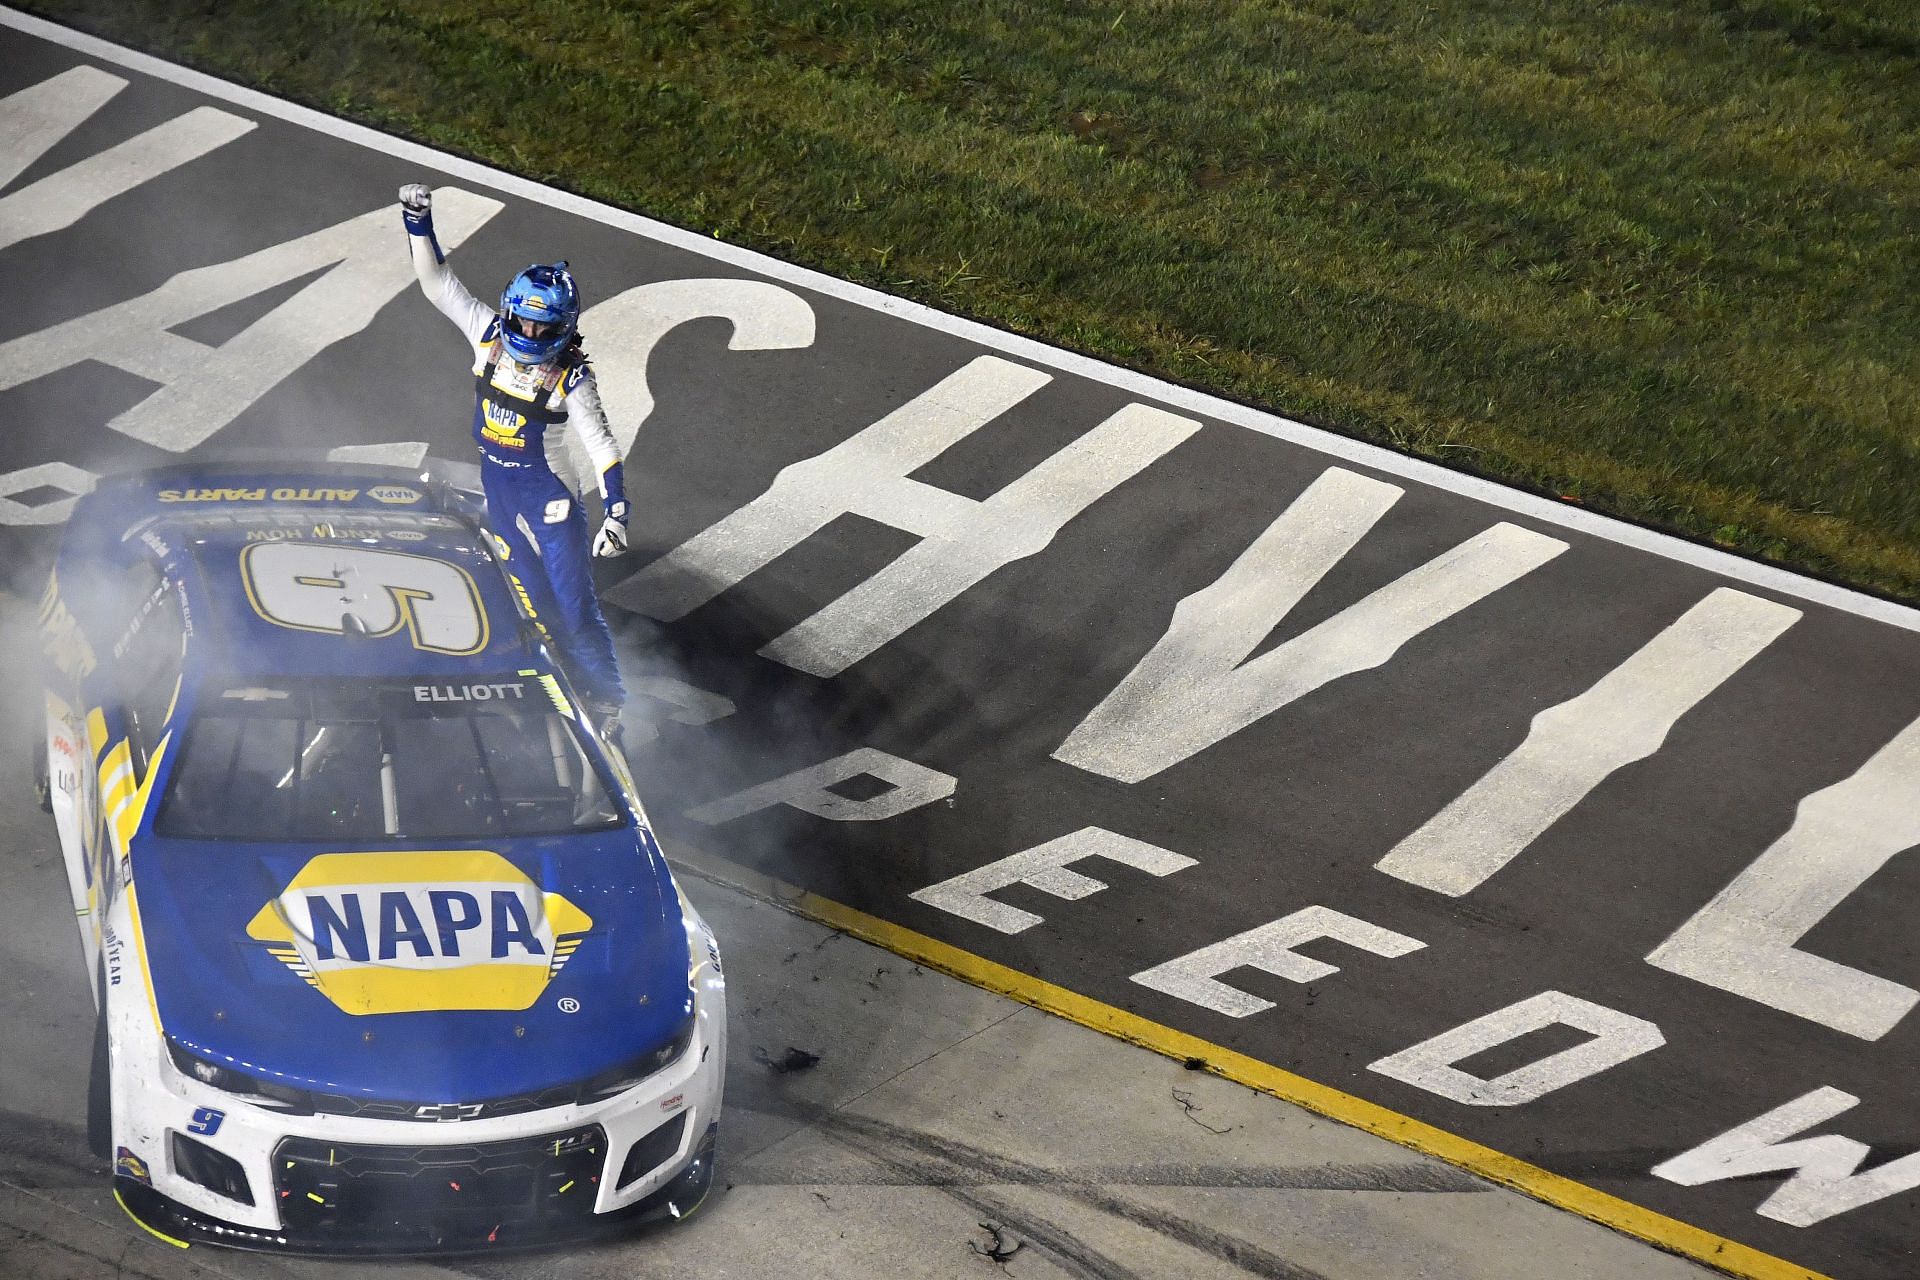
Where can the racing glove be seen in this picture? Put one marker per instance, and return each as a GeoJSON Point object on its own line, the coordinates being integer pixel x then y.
{"type": "Point", "coordinates": [416, 209]}
{"type": "Point", "coordinates": [613, 532]}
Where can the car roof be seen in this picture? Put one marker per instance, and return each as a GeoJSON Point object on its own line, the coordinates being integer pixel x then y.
{"type": "Point", "coordinates": [403, 568]}
{"type": "Point", "coordinates": [410, 540]}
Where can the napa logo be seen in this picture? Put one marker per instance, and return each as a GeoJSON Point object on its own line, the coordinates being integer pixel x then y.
{"type": "Point", "coordinates": [393, 493]}
{"type": "Point", "coordinates": [407, 932]}
{"type": "Point", "coordinates": [503, 424]}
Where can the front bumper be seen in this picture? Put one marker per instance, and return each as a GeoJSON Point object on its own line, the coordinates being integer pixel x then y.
{"type": "Point", "coordinates": [327, 1183]}
{"type": "Point", "coordinates": [375, 1220]}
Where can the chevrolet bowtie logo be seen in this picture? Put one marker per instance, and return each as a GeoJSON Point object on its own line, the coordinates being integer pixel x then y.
{"type": "Point", "coordinates": [449, 1111]}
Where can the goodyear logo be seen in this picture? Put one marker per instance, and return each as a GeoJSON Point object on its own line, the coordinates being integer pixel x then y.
{"type": "Point", "coordinates": [397, 494]}
{"type": "Point", "coordinates": [406, 932]}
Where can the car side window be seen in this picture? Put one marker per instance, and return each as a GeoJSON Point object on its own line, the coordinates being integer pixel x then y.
{"type": "Point", "coordinates": [148, 655]}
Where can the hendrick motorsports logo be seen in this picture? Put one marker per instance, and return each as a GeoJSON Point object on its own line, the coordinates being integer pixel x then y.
{"type": "Point", "coordinates": [405, 932]}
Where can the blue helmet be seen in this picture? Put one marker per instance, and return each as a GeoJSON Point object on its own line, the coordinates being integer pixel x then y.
{"type": "Point", "coordinates": [538, 311]}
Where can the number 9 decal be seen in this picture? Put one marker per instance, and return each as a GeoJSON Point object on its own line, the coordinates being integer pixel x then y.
{"type": "Point", "coordinates": [206, 1121]}
{"type": "Point", "coordinates": [316, 586]}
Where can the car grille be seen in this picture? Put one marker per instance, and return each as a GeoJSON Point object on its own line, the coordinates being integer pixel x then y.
{"type": "Point", "coordinates": [385, 1109]}
{"type": "Point", "coordinates": [471, 1194]}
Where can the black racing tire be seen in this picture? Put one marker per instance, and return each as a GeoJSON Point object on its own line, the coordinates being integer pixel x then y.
{"type": "Point", "coordinates": [100, 1087]}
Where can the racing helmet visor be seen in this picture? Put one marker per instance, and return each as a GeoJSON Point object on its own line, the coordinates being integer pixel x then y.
{"type": "Point", "coordinates": [527, 328]}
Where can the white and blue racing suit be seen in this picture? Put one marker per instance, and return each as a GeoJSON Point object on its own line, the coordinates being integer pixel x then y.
{"type": "Point", "coordinates": [539, 528]}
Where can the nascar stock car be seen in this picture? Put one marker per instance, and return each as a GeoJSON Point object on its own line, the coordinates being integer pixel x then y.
{"type": "Point", "coordinates": [385, 954]}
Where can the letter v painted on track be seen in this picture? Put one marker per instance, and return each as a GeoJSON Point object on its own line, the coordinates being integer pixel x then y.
{"type": "Point", "coordinates": [1196, 686]}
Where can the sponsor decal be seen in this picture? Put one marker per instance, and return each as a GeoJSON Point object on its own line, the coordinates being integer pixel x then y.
{"type": "Point", "coordinates": [500, 691]}
{"type": "Point", "coordinates": [414, 931]}
{"type": "Point", "coordinates": [503, 425]}
{"type": "Point", "coordinates": [115, 956]}
{"type": "Point", "coordinates": [128, 1165]}
{"type": "Point", "coordinates": [674, 1103]}
{"type": "Point", "coordinates": [284, 493]}
{"type": "Point", "coordinates": [398, 494]}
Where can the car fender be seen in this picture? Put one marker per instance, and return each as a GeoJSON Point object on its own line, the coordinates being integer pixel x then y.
{"type": "Point", "coordinates": [73, 793]}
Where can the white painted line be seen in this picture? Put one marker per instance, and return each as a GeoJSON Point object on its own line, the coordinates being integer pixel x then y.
{"type": "Point", "coordinates": [1358, 452]}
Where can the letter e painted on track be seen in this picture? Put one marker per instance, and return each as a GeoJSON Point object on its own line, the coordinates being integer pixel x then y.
{"type": "Point", "coordinates": [1270, 948]}
{"type": "Point", "coordinates": [1044, 867]}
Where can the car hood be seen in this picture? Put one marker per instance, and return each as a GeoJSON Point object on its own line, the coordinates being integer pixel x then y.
{"type": "Point", "coordinates": [464, 971]}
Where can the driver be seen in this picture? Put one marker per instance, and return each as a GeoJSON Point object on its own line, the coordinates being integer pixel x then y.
{"type": "Point", "coordinates": [532, 375]}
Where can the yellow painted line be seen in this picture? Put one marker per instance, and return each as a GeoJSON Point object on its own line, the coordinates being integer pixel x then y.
{"type": "Point", "coordinates": [1671, 1234]}
{"type": "Point", "coordinates": [158, 1235]}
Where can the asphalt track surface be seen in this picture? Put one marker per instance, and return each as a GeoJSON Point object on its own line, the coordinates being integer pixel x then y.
{"type": "Point", "coordinates": [935, 1106]}
{"type": "Point", "coordinates": [1810, 690]}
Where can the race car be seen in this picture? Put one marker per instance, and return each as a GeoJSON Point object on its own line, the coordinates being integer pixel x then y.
{"type": "Point", "coordinates": [385, 953]}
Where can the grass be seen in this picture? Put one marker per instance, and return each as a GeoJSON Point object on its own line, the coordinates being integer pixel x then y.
{"type": "Point", "coordinates": [1660, 256]}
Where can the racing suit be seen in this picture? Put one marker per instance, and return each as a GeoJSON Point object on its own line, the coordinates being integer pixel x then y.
{"type": "Point", "coordinates": [539, 529]}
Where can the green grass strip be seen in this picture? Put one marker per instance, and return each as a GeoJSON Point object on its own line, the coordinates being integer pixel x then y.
{"type": "Point", "coordinates": [1659, 256]}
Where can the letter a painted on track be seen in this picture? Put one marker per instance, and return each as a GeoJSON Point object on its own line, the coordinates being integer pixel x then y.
{"type": "Point", "coordinates": [203, 388]}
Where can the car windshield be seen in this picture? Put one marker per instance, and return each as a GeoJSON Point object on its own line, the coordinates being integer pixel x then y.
{"type": "Point", "coordinates": [314, 759]}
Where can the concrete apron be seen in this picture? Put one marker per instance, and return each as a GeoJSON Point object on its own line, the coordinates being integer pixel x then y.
{"type": "Point", "coordinates": [936, 1106]}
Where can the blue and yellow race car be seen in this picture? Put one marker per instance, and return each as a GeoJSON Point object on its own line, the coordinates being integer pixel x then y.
{"type": "Point", "coordinates": [385, 953]}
